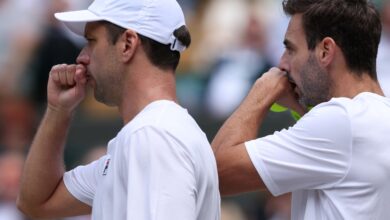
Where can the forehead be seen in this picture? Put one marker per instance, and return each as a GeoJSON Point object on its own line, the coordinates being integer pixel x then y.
{"type": "Point", "coordinates": [295, 33]}
{"type": "Point", "coordinates": [94, 28]}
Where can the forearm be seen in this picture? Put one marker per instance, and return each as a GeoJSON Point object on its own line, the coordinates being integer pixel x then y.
{"type": "Point", "coordinates": [236, 171]}
{"type": "Point", "coordinates": [44, 166]}
{"type": "Point", "coordinates": [244, 123]}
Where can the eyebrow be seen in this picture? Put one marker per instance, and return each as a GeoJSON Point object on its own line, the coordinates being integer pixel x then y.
{"type": "Point", "coordinates": [289, 45]}
{"type": "Point", "coordinates": [88, 36]}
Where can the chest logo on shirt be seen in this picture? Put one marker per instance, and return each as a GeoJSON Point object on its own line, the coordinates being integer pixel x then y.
{"type": "Point", "coordinates": [106, 167]}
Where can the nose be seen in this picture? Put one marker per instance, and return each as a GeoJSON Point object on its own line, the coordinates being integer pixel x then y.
{"type": "Point", "coordinates": [83, 57]}
{"type": "Point", "coordinates": [283, 64]}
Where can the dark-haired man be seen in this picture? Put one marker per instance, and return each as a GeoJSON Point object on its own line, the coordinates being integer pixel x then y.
{"type": "Point", "coordinates": [160, 165]}
{"type": "Point", "coordinates": [335, 159]}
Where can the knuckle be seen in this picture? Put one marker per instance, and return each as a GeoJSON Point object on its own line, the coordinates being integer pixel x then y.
{"type": "Point", "coordinates": [54, 68]}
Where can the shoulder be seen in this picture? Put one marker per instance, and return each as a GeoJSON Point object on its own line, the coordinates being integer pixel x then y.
{"type": "Point", "coordinates": [345, 111]}
{"type": "Point", "coordinates": [165, 118]}
{"type": "Point", "coordinates": [327, 124]}
{"type": "Point", "coordinates": [161, 114]}
{"type": "Point", "coordinates": [328, 116]}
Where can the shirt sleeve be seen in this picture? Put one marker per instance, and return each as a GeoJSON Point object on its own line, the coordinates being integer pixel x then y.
{"type": "Point", "coordinates": [161, 179]}
{"type": "Point", "coordinates": [313, 154]}
{"type": "Point", "coordinates": [81, 182]}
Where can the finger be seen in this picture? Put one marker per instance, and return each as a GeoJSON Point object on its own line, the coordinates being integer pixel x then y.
{"type": "Point", "coordinates": [54, 73]}
{"type": "Point", "coordinates": [70, 73]}
{"type": "Point", "coordinates": [62, 74]}
{"type": "Point", "coordinates": [277, 70]}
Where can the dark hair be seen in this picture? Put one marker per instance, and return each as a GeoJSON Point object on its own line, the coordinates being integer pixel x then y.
{"type": "Point", "coordinates": [354, 25]}
{"type": "Point", "coordinates": [159, 54]}
{"type": "Point", "coordinates": [114, 31]}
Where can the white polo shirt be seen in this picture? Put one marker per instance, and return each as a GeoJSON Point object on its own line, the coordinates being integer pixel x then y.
{"type": "Point", "coordinates": [159, 166]}
{"type": "Point", "coordinates": [335, 160]}
{"type": "Point", "coordinates": [383, 64]}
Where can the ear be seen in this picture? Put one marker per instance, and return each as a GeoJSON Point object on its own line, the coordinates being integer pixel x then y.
{"type": "Point", "coordinates": [129, 44]}
{"type": "Point", "coordinates": [326, 50]}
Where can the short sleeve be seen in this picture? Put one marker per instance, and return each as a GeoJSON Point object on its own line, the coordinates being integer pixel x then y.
{"type": "Point", "coordinates": [161, 179]}
{"type": "Point", "coordinates": [81, 182]}
{"type": "Point", "coordinates": [313, 154]}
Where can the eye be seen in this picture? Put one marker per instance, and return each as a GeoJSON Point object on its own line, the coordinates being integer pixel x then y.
{"type": "Point", "coordinates": [289, 50]}
{"type": "Point", "coordinates": [89, 38]}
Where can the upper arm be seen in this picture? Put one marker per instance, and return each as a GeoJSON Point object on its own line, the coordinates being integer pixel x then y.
{"type": "Point", "coordinates": [61, 204]}
{"type": "Point", "coordinates": [74, 193]}
{"type": "Point", "coordinates": [236, 171]}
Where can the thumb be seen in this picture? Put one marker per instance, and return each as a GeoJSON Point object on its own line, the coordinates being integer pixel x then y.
{"type": "Point", "coordinates": [80, 75]}
{"type": "Point", "coordinates": [81, 79]}
{"type": "Point", "coordinates": [301, 110]}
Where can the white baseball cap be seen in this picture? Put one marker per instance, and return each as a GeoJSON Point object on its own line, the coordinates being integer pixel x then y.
{"type": "Point", "coordinates": [155, 19]}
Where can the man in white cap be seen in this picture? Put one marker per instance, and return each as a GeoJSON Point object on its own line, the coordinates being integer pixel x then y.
{"type": "Point", "coordinates": [160, 165]}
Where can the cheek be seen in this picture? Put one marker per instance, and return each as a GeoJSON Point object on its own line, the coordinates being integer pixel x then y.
{"type": "Point", "coordinates": [297, 63]}
{"type": "Point", "coordinates": [296, 70]}
{"type": "Point", "coordinates": [95, 56]}
{"type": "Point", "coordinates": [97, 61]}
{"type": "Point", "coordinates": [294, 66]}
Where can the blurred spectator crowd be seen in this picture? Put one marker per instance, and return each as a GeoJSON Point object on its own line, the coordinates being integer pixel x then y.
{"type": "Point", "coordinates": [234, 42]}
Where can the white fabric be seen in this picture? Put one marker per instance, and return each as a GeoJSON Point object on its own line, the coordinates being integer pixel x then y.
{"type": "Point", "coordinates": [383, 64]}
{"type": "Point", "coordinates": [8, 211]}
{"type": "Point", "coordinates": [335, 160]}
{"type": "Point", "coordinates": [159, 166]}
{"type": "Point", "coordinates": [156, 19]}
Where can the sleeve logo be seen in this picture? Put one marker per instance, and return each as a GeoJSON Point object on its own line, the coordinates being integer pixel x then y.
{"type": "Point", "coordinates": [106, 167]}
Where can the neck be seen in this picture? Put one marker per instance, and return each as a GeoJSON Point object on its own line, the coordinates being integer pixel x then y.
{"type": "Point", "coordinates": [349, 85]}
{"type": "Point", "coordinates": [143, 86]}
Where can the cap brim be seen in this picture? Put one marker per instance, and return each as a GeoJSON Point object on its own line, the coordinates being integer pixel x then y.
{"type": "Point", "coordinates": [76, 20]}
